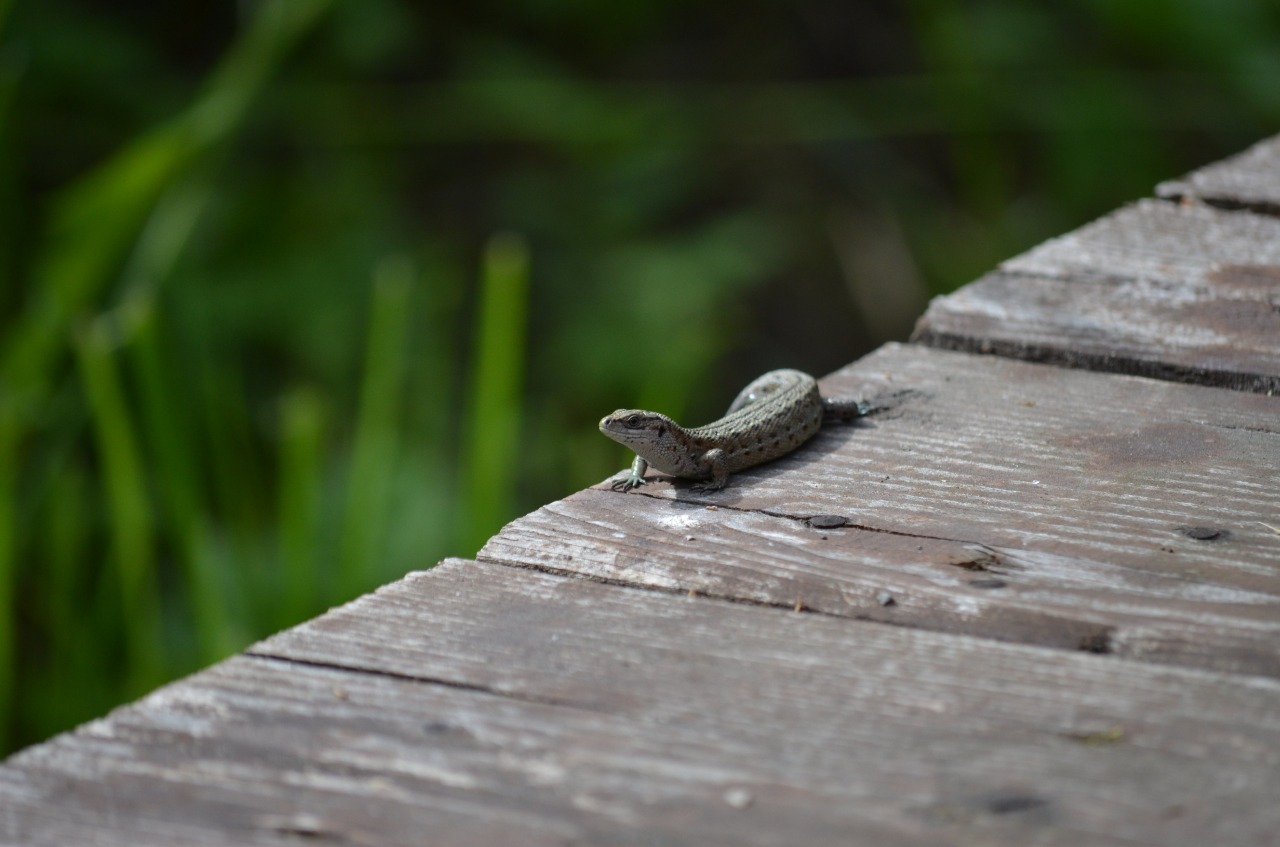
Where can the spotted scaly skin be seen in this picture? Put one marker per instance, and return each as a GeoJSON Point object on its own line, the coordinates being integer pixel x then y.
{"type": "Point", "coordinates": [772, 416]}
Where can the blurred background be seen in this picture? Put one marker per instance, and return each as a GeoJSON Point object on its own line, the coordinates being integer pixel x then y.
{"type": "Point", "coordinates": [296, 297]}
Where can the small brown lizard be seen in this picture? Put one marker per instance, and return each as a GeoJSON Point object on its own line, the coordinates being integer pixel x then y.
{"type": "Point", "coordinates": [772, 416]}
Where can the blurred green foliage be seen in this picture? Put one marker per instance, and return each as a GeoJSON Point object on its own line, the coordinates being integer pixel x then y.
{"type": "Point", "coordinates": [299, 295]}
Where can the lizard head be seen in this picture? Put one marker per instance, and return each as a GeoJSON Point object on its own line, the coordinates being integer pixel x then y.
{"type": "Point", "coordinates": [635, 427]}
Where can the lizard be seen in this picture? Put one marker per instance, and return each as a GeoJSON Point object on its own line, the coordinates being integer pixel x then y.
{"type": "Point", "coordinates": [771, 417]}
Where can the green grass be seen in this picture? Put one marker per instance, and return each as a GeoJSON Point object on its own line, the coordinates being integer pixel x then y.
{"type": "Point", "coordinates": [121, 213]}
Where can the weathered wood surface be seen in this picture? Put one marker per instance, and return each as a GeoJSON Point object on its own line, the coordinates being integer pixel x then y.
{"type": "Point", "coordinates": [1248, 180]}
{"type": "Point", "coordinates": [996, 497]}
{"type": "Point", "coordinates": [478, 704]}
{"type": "Point", "coordinates": [1082, 571]}
{"type": "Point", "coordinates": [1183, 292]}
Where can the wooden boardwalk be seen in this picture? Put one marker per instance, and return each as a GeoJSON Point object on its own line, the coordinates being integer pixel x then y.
{"type": "Point", "coordinates": [1034, 601]}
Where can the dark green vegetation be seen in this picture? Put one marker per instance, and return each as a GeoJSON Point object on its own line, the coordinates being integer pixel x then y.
{"type": "Point", "coordinates": [295, 303]}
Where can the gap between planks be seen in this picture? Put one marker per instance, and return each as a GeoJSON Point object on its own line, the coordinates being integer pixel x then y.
{"type": "Point", "coordinates": [1248, 181]}
{"type": "Point", "coordinates": [1180, 292]}
{"type": "Point", "coordinates": [1262, 208]}
{"type": "Point", "coordinates": [980, 550]}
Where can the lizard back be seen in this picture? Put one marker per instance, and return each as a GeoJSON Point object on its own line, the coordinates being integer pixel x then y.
{"type": "Point", "coordinates": [771, 417]}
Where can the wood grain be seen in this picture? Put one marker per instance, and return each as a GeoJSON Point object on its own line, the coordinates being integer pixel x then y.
{"type": "Point", "coordinates": [1189, 293]}
{"type": "Point", "coordinates": [1248, 180]}
{"type": "Point", "coordinates": [477, 704]}
{"type": "Point", "coordinates": [999, 498]}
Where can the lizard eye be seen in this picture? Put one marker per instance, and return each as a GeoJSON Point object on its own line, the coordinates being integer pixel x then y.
{"type": "Point", "coordinates": [633, 421]}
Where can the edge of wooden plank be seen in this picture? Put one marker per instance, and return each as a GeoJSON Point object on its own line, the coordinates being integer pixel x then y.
{"type": "Point", "coordinates": [1184, 294]}
{"type": "Point", "coordinates": [1248, 181]}
{"type": "Point", "coordinates": [944, 328]}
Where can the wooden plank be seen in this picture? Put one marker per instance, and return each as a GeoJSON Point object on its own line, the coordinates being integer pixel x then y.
{"type": "Point", "coordinates": [1168, 244]}
{"type": "Point", "coordinates": [477, 704]}
{"type": "Point", "coordinates": [999, 498]}
{"type": "Point", "coordinates": [1178, 292]}
{"type": "Point", "coordinates": [253, 752]}
{"type": "Point", "coordinates": [1248, 180]}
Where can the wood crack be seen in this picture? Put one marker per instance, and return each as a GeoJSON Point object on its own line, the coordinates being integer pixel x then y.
{"type": "Point", "coordinates": [1234, 427]}
{"type": "Point", "coordinates": [671, 590]}
{"type": "Point", "coordinates": [1091, 637]}
{"type": "Point", "coordinates": [1222, 203]}
{"type": "Point", "coordinates": [1043, 354]}
{"type": "Point", "coordinates": [976, 545]}
{"type": "Point", "coordinates": [425, 680]}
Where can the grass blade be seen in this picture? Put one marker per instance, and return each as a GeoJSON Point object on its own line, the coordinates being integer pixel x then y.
{"type": "Point", "coordinates": [179, 483]}
{"type": "Point", "coordinates": [128, 506]}
{"type": "Point", "coordinates": [492, 430]}
{"type": "Point", "coordinates": [374, 453]}
{"type": "Point", "coordinates": [302, 419]}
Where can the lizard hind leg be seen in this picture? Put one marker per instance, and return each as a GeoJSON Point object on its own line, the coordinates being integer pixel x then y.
{"type": "Point", "coordinates": [714, 463]}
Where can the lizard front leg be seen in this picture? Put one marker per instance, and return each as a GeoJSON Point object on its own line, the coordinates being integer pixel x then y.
{"type": "Point", "coordinates": [635, 479]}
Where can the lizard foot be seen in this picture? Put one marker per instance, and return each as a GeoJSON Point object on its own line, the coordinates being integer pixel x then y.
{"type": "Point", "coordinates": [627, 483]}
